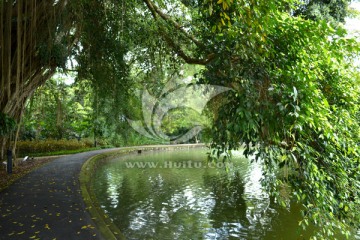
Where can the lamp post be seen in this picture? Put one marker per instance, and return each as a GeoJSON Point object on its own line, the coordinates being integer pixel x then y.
{"type": "Point", "coordinates": [9, 161]}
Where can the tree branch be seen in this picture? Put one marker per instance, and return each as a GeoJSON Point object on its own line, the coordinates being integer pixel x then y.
{"type": "Point", "coordinates": [156, 12]}
{"type": "Point", "coordinates": [177, 49]}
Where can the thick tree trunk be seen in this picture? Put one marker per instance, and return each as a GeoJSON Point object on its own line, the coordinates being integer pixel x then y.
{"type": "Point", "coordinates": [35, 39]}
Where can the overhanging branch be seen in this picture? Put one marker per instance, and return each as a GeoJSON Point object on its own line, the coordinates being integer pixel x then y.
{"type": "Point", "coordinates": [156, 12]}
{"type": "Point", "coordinates": [190, 60]}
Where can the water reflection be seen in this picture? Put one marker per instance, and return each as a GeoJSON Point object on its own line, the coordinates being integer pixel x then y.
{"type": "Point", "coordinates": [181, 203]}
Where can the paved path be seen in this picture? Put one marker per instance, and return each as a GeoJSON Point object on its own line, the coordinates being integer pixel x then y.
{"type": "Point", "coordinates": [47, 203]}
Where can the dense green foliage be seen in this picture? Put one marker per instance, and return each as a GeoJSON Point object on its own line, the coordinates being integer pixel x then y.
{"type": "Point", "coordinates": [295, 105]}
{"type": "Point", "coordinates": [58, 111]}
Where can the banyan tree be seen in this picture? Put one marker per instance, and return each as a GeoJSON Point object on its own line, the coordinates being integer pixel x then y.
{"type": "Point", "coordinates": [41, 37]}
{"type": "Point", "coordinates": [36, 37]}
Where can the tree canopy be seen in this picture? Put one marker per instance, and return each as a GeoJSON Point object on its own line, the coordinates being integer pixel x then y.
{"type": "Point", "coordinates": [295, 106]}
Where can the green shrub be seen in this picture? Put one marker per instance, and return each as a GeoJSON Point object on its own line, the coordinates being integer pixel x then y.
{"type": "Point", "coordinates": [50, 145]}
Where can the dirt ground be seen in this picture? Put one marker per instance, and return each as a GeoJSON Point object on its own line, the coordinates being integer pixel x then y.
{"type": "Point", "coordinates": [20, 170]}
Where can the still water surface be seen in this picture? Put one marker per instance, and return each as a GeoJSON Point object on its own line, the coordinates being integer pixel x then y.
{"type": "Point", "coordinates": [175, 195]}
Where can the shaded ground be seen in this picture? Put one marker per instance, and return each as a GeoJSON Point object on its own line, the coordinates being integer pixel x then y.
{"type": "Point", "coordinates": [21, 170]}
{"type": "Point", "coordinates": [47, 202]}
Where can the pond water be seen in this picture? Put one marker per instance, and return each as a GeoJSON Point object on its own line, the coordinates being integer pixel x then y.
{"type": "Point", "coordinates": [176, 195]}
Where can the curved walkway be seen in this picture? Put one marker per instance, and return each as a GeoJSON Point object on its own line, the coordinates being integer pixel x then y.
{"type": "Point", "coordinates": [47, 203]}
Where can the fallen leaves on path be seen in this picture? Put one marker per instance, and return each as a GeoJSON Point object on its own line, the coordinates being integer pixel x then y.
{"type": "Point", "coordinates": [21, 170]}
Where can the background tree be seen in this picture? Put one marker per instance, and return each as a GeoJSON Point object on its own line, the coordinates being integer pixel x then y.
{"type": "Point", "coordinates": [58, 111]}
{"type": "Point", "coordinates": [331, 11]}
